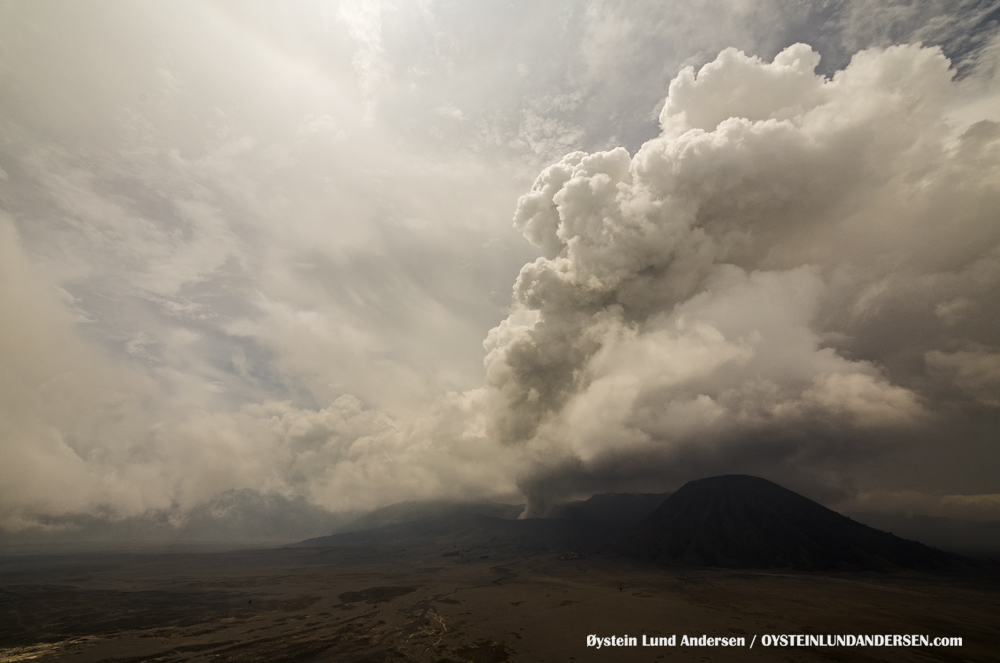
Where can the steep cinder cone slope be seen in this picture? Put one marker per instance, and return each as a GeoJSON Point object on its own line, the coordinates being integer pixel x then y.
{"type": "Point", "coordinates": [747, 522]}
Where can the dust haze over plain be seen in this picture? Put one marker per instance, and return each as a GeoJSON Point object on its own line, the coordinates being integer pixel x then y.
{"type": "Point", "coordinates": [345, 255]}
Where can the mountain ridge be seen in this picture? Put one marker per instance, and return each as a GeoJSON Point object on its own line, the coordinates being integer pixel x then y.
{"type": "Point", "coordinates": [741, 521]}
{"type": "Point", "coordinates": [734, 521]}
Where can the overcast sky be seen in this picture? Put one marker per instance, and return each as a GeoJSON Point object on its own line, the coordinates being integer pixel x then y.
{"type": "Point", "coordinates": [363, 252]}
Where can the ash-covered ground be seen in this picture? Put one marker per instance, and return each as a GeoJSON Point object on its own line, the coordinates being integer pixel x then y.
{"type": "Point", "coordinates": [439, 604]}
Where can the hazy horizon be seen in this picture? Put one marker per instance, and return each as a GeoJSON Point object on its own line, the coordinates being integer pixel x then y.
{"type": "Point", "coordinates": [326, 257]}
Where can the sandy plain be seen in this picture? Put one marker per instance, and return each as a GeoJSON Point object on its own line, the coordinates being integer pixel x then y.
{"type": "Point", "coordinates": [452, 606]}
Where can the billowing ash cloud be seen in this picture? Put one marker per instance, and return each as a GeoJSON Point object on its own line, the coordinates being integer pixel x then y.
{"type": "Point", "coordinates": [797, 278]}
{"type": "Point", "coordinates": [797, 274]}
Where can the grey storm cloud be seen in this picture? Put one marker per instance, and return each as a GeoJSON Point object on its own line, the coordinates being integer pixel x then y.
{"type": "Point", "coordinates": [255, 250]}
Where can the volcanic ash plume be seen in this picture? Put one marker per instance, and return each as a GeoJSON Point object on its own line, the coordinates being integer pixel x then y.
{"type": "Point", "coordinates": [770, 279]}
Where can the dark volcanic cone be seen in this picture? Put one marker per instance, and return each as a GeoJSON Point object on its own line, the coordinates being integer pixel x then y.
{"type": "Point", "coordinates": [747, 522]}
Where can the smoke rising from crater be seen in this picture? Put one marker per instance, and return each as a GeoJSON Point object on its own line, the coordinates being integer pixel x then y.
{"type": "Point", "coordinates": [259, 248]}
{"type": "Point", "coordinates": [731, 293]}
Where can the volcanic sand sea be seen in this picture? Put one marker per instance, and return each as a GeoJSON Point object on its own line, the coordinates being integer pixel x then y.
{"type": "Point", "coordinates": [420, 604]}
